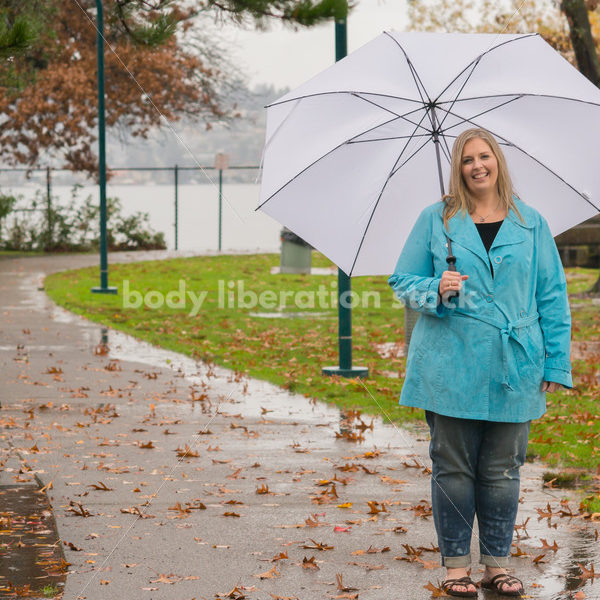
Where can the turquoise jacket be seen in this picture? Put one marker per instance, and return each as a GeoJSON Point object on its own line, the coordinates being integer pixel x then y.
{"type": "Point", "coordinates": [485, 354]}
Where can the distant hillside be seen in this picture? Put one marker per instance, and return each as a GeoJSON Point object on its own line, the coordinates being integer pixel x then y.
{"type": "Point", "coordinates": [190, 144]}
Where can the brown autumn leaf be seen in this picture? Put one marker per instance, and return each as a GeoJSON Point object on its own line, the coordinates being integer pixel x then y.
{"type": "Point", "coordinates": [539, 559]}
{"type": "Point", "coordinates": [547, 546]}
{"type": "Point", "coordinates": [367, 566]}
{"type": "Point", "coordinates": [53, 371]}
{"type": "Point", "coordinates": [587, 573]}
{"type": "Point", "coordinates": [375, 507]}
{"type": "Point", "coordinates": [309, 563]}
{"type": "Point", "coordinates": [148, 445]}
{"type": "Point", "coordinates": [235, 474]}
{"type": "Point", "coordinates": [436, 592]}
{"type": "Point", "coordinates": [100, 486]}
{"type": "Point", "coordinates": [134, 510]}
{"type": "Point", "coordinates": [77, 509]}
{"type": "Point", "coordinates": [270, 574]}
{"type": "Point", "coordinates": [317, 546]}
{"type": "Point", "coordinates": [230, 514]}
{"type": "Point", "coordinates": [280, 556]}
{"type": "Point", "coordinates": [234, 594]}
{"type": "Point", "coordinates": [545, 513]}
{"type": "Point", "coordinates": [72, 546]}
{"type": "Point", "coordinates": [187, 452]}
{"type": "Point", "coordinates": [163, 578]}
{"type": "Point", "coordinates": [340, 584]}
{"type": "Point", "coordinates": [183, 512]}
{"type": "Point", "coordinates": [263, 489]}
{"type": "Point", "coordinates": [283, 597]}
{"type": "Point", "coordinates": [312, 521]}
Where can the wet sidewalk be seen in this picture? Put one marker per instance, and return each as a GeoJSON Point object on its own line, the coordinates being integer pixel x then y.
{"type": "Point", "coordinates": [173, 479]}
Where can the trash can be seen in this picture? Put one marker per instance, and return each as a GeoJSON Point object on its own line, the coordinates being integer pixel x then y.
{"type": "Point", "coordinates": [295, 253]}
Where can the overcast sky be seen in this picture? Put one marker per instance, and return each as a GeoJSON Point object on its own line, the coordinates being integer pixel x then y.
{"type": "Point", "coordinates": [284, 57]}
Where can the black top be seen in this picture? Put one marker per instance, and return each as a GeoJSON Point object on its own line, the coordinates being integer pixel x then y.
{"type": "Point", "coordinates": [488, 232]}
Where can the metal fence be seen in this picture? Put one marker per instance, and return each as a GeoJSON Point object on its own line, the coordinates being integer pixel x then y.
{"type": "Point", "coordinates": [175, 170]}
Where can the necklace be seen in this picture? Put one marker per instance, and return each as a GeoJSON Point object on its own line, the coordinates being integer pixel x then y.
{"type": "Point", "coordinates": [483, 219]}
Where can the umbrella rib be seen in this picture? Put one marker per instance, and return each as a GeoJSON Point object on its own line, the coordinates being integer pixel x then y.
{"type": "Point", "coordinates": [300, 173]}
{"type": "Point", "coordinates": [539, 162]}
{"type": "Point", "coordinates": [353, 139]}
{"type": "Point", "coordinates": [411, 156]}
{"type": "Point", "coordinates": [459, 91]}
{"type": "Point", "coordinates": [396, 137]}
{"type": "Point", "coordinates": [392, 173]}
{"type": "Point", "coordinates": [417, 80]}
{"type": "Point", "coordinates": [400, 116]}
{"type": "Point", "coordinates": [477, 59]}
{"type": "Point", "coordinates": [521, 95]}
{"type": "Point", "coordinates": [413, 71]}
{"type": "Point", "coordinates": [351, 92]}
{"type": "Point", "coordinates": [348, 141]}
{"type": "Point", "coordinates": [448, 113]}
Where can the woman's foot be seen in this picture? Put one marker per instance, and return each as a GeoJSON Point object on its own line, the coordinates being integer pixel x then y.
{"type": "Point", "coordinates": [506, 586]}
{"type": "Point", "coordinates": [458, 583]}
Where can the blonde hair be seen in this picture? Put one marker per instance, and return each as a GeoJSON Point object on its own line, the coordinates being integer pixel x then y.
{"type": "Point", "coordinates": [458, 196]}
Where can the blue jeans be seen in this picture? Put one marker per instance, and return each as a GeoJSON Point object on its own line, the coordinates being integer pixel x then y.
{"type": "Point", "coordinates": [475, 472]}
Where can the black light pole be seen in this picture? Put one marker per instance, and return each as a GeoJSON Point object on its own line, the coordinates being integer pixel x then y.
{"type": "Point", "coordinates": [345, 368]}
{"type": "Point", "coordinates": [104, 288]}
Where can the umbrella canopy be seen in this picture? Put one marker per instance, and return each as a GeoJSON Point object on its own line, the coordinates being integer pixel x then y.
{"type": "Point", "coordinates": [350, 156]}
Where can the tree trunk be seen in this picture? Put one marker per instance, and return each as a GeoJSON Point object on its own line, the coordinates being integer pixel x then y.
{"type": "Point", "coordinates": [585, 54]}
{"type": "Point", "coordinates": [581, 39]}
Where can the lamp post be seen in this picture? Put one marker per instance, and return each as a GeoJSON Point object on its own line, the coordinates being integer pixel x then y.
{"type": "Point", "coordinates": [345, 368]}
{"type": "Point", "coordinates": [104, 288]}
{"type": "Point", "coordinates": [221, 164]}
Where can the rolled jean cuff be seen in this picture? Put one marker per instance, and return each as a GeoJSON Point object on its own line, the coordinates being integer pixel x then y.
{"type": "Point", "coordinates": [455, 562]}
{"type": "Point", "coordinates": [493, 561]}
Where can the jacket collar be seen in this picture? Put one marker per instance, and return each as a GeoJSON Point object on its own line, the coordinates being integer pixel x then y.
{"type": "Point", "coordinates": [463, 231]}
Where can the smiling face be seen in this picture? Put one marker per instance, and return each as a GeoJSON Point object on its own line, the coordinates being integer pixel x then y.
{"type": "Point", "coordinates": [479, 168]}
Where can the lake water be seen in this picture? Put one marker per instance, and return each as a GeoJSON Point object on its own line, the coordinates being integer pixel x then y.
{"type": "Point", "coordinates": [243, 228]}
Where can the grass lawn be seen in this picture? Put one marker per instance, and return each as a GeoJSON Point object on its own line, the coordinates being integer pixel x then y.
{"type": "Point", "coordinates": [288, 344]}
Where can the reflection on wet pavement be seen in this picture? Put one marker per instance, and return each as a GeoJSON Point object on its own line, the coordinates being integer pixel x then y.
{"type": "Point", "coordinates": [31, 558]}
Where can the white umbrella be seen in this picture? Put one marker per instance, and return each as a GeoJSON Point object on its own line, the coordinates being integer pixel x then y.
{"type": "Point", "coordinates": [350, 159]}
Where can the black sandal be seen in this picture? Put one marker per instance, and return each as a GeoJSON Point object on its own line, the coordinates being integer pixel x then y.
{"type": "Point", "coordinates": [498, 582]}
{"type": "Point", "coordinates": [465, 582]}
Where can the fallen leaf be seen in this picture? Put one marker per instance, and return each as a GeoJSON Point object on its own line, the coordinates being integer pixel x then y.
{"type": "Point", "coordinates": [101, 487]}
{"type": "Point", "coordinates": [436, 592]}
{"type": "Point", "coordinates": [309, 563]}
{"type": "Point", "coordinates": [270, 574]}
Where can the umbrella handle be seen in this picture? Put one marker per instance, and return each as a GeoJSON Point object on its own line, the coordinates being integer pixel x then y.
{"type": "Point", "coordinates": [451, 260]}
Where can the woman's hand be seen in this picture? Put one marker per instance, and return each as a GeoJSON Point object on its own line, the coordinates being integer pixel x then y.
{"type": "Point", "coordinates": [451, 282]}
{"type": "Point", "coordinates": [550, 386]}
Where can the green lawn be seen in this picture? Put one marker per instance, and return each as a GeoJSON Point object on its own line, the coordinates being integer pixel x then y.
{"type": "Point", "coordinates": [288, 344]}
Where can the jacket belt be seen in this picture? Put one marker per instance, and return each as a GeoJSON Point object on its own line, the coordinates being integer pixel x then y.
{"type": "Point", "coordinates": [506, 332]}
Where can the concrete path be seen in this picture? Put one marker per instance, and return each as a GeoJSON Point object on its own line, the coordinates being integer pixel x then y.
{"type": "Point", "coordinates": [198, 483]}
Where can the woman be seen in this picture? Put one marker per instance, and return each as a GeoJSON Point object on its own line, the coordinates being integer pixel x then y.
{"type": "Point", "coordinates": [481, 363]}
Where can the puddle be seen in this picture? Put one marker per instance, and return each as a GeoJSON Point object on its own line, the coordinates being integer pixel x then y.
{"type": "Point", "coordinates": [249, 398]}
{"type": "Point", "coordinates": [31, 558]}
